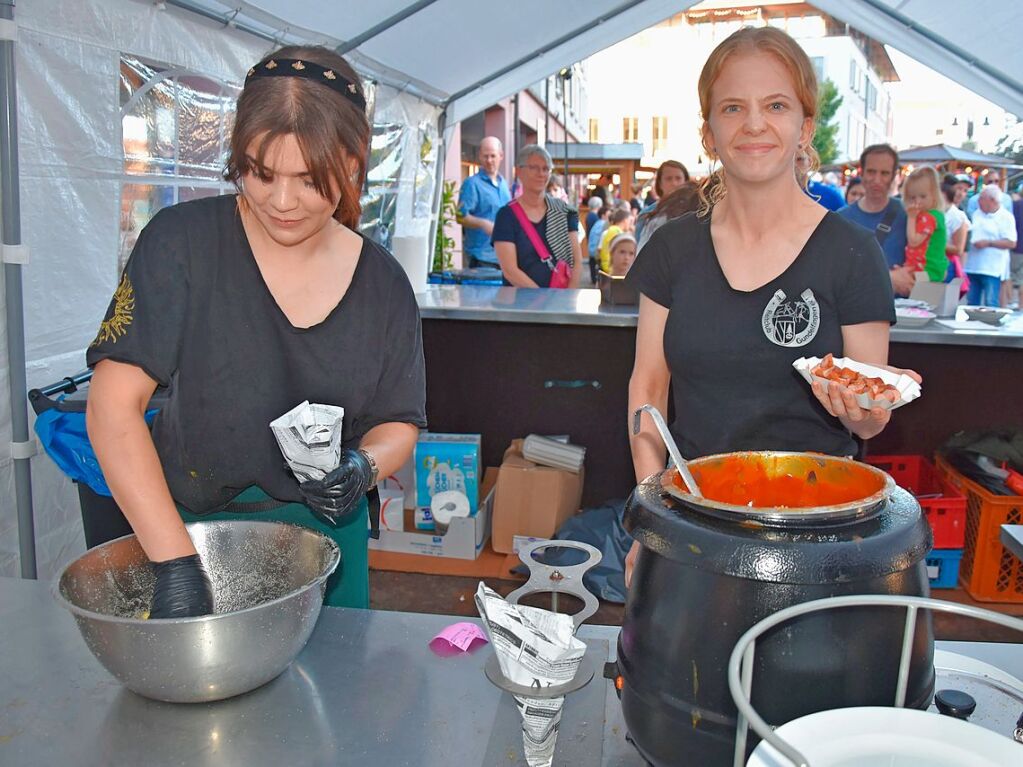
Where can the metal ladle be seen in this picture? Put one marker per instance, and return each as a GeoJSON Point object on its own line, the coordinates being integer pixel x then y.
{"type": "Point", "coordinates": [669, 442]}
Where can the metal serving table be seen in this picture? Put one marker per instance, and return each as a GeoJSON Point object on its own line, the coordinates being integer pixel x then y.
{"type": "Point", "coordinates": [583, 307]}
{"type": "Point", "coordinates": [366, 690]}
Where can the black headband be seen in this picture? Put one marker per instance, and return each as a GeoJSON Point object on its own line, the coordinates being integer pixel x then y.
{"type": "Point", "coordinates": [309, 71]}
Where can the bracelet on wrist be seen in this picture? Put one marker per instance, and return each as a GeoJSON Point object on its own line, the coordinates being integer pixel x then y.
{"type": "Point", "coordinates": [374, 470]}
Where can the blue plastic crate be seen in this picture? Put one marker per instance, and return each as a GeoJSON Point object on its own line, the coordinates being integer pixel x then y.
{"type": "Point", "coordinates": [943, 568]}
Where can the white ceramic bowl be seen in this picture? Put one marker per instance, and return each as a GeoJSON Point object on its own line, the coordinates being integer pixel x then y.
{"type": "Point", "coordinates": [892, 737]}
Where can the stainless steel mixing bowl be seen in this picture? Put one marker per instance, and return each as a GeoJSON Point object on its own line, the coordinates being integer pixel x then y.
{"type": "Point", "coordinates": [268, 584]}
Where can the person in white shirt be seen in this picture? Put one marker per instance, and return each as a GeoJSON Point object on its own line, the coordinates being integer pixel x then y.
{"type": "Point", "coordinates": [994, 235]}
{"type": "Point", "coordinates": [992, 178]}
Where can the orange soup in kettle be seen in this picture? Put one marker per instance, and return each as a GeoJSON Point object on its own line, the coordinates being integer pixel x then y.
{"type": "Point", "coordinates": [765, 480]}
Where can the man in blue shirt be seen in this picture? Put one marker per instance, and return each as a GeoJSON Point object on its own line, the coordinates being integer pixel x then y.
{"type": "Point", "coordinates": [882, 214]}
{"type": "Point", "coordinates": [821, 193]}
{"type": "Point", "coordinates": [481, 196]}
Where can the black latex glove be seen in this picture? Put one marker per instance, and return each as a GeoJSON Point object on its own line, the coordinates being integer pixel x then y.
{"type": "Point", "coordinates": [182, 589]}
{"type": "Point", "coordinates": [336, 497]}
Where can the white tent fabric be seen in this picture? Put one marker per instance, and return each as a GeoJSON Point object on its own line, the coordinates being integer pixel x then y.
{"type": "Point", "coordinates": [469, 55]}
{"type": "Point", "coordinates": [71, 163]}
{"type": "Point", "coordinates": [428, 55]}
{"type": "Point", "coordinates": [973, 44]}
{"type": "Point", "coordinates": [72, 167]}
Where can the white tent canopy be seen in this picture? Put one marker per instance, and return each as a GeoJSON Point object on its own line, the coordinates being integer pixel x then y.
{"type": "Point", "coordinates": [468, 55]}
{"type": "Point", "coordinates": [437, 62]}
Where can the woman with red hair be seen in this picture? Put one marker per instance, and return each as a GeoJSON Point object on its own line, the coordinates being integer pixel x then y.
{"type": "Point", "coordinates": [759, 276]}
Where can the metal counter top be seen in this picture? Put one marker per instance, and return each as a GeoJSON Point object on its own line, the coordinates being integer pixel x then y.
{"type": "Point", "coordinates": [505, 304]}
{"type": "Point", "coordinates": [366, 690]}
{"type": "Point", "coordinates": [583, 307]}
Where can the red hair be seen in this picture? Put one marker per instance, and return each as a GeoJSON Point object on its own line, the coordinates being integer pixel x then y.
{"type": "Point", "coordinates": [804, 80]}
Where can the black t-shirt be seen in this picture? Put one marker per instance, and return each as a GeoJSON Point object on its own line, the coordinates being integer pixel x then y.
{"type": "Point", "coordinates": [730, 352]}
{"type": "Point", "coordinates": [193, 311]}
{"type": "Point", "coordinates": [508, 229]}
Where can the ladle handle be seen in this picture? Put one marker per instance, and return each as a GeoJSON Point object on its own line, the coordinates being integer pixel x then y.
{"type": "Point", "coordinates": [669, 442]}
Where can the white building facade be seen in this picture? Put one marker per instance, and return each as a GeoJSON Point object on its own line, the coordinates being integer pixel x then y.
{"type": "Point", "coordinates": [645, 88]}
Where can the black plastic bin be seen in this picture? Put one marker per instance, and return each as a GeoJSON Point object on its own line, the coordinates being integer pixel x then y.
{"type": "Point", "coordinates": [102, 519]}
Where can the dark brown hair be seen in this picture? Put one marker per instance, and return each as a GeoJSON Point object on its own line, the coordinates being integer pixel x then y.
{"type": "Point", "coordinates": [330, 130]}
{"type": "Point", "coordinates": [948, 187]}
{"type": "Point", "coordinates": [683, 200]}
{"type": "Point", "coordinates": [880, 149]}
{"type": "Point", "coordinates": [618, 215]}
{"type": "Point", "coordinates": [660, 172]}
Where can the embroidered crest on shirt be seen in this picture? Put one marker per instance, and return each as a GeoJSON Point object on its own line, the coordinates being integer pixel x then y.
{"type": "Point", "coordinates": [124, 312]}
{"type": "Point", "coordinates": [791, 322]}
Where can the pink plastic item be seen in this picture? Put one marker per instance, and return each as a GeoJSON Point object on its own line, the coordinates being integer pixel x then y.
{"type": "Point", "coordinates": [458, 638]}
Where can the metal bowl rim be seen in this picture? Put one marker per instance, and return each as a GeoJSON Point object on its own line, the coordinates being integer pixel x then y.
{"type": "Point", "coordinates": [783, 513]}
{"type": "Point", "coordinates": [335, 559]}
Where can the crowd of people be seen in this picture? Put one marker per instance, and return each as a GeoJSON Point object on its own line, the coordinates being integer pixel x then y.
{"type": "Point", "coordinates": [935, 226]}
{"type": "Point", "coordinates": [941, 226]}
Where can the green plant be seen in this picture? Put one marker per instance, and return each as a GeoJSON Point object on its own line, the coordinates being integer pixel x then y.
{"type": "Point", "coordinates": [825, 137]}
{"type": "Point", "coordinates": [444, 246]}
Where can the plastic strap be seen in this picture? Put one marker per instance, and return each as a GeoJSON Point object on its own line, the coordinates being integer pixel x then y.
{"type": "Point", "coordinates": [14, 254]}
{"type": "Point", "coordinates": [22, 450]}
{"type": "Point", "coordinates": [884, 226]}
{"type": "Point", "coordinates": [531, 233]}
{"type": "Point", "coordinates": [9, 30]}
{"type": "Point", "coordinates": [373, 498]}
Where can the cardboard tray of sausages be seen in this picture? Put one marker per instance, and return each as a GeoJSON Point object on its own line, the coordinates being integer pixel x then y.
{"type": "Point", "coordinates": [908, 388]}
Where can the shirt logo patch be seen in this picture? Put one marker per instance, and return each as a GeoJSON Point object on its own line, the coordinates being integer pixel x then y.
{"type": "Point", "coordinates": [791, 322]}
{"type": "Point", "coordinates": [116, 325]}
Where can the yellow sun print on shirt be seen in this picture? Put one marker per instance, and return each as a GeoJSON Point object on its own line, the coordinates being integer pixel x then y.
{"type": "Point", "coordinates": [124, 312]}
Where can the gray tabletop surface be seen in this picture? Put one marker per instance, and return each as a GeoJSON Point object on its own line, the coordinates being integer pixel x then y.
{"type": "Point", "coordinates": [583, 307]}
{"type": "Point", "coordinates": [366, 690]}
{"type": "Point", "coordinates": [1012, 539]}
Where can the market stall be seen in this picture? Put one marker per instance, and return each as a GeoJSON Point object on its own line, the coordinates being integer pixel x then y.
{"type": "Point", "coordinates": [65, 71]}
{"type": "Point", "coordinates": [360, 686]}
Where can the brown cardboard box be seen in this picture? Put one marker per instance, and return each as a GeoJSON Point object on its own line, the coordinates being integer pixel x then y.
{"type": "Point", "coordinates": [531, 499]}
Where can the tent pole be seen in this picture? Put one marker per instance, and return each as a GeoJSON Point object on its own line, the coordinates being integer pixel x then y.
{"type": "Point", "coordinates": [438, 190]}
{"type": "Point", "coordinates": [516, 140]}
{"type": "Point", "coordinates": [10, 212]}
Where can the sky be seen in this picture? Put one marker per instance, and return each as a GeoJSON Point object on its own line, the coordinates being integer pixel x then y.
{"type": "Point", "coordinates": [926, 101]}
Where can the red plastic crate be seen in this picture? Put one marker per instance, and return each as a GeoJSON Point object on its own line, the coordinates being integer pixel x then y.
{"type": "Point", "coordinates": [946, 513]}
{"type": "Point", "coordinates": [989, 572]}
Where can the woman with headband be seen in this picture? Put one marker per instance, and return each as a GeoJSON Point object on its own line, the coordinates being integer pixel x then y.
{"type": "Point", "coordinates": [244, 306]}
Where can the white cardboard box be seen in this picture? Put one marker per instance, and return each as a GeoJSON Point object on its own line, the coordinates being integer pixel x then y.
{"type": "Point", "coordinates": [465, 538]}
{"type": "Point", "coordinates": [943, 296]}
{"type": "Point", "coordinates": [518, 541]}
{"type": "Point", "coordinates": [392, 510]}
{"type": "Point", "coordinates": [403, 480]}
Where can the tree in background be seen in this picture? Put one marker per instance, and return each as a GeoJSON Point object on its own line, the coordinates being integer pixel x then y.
{"type": "Point", "coordinates": [444, 245]}
{"type": "Point", "coordinates": [1011, 144]}
{"type": "Point", "coordinates": [825, 138]}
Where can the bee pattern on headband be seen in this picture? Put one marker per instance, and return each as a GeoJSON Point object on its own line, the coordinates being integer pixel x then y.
{"type": "Point", "coordinates": [307, 70]}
